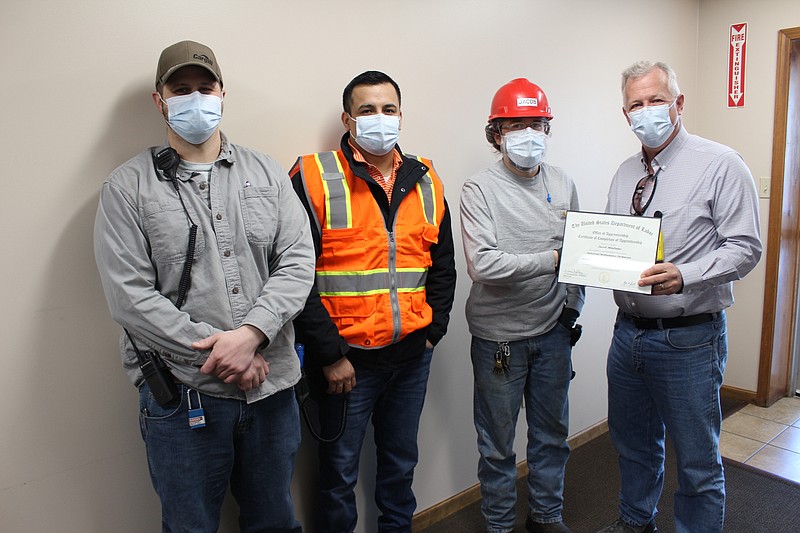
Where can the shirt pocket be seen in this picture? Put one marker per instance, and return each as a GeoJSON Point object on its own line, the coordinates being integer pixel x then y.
{"type": "Point", "coordinates": [260, 213]}
{"type": "Point", "coordinates": [558, 217]}
{"type": "Point", "coordinates": [167, 228]}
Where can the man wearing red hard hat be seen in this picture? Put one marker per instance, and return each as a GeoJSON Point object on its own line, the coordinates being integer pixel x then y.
{"type": "Point", "coordinates": [521, 319]}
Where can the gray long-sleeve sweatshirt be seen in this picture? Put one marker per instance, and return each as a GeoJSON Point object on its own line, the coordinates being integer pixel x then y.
{"type": "Point", "coordinates": [510, 226]}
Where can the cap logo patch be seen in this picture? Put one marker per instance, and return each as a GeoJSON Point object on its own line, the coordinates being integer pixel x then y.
{"type": "Point", "coordinates": [204, 58]}
{"type": "Point", "coordinates": [524, 102]}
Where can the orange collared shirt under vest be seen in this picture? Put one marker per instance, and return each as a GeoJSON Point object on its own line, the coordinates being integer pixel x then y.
{"type": "Point", "coordinates": [372, 280]}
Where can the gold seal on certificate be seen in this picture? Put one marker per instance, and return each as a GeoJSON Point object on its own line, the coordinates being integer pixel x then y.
{"type": "Point", "coordinates": [608, 251]}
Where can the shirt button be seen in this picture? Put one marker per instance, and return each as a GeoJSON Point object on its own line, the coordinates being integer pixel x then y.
{"type": "Point", "coordinates": [219, 217]}
{"type": "Point", "coordinates": [202, 186]}
{"type": "Point", "coordinates": [402, 189]}
{"type": "Point", "coordinates": [235, 290]}
{"type": "Point", "coordinates": [227, 253]}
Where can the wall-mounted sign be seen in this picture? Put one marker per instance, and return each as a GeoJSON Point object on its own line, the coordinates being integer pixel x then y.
{"type": "Point", "coordinates": [737, 56]}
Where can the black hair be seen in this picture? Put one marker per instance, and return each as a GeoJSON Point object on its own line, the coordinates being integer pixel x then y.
{"type": "Point", "coordinates": [370, 77]}
{"type": "Point", "coordinates": [490, 129]}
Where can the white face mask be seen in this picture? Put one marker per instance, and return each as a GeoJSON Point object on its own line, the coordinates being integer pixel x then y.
{"type": "Point", "coordinates": [194, 116]}
{"type": "Point", "coordinates": [525, 148]}
{"type": "Point", "coordinates": [652, 124]}
{"type": "Point", "coordinates": [377, 134]}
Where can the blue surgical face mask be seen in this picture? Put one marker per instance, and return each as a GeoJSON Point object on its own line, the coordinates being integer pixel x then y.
{"type": "Point", "coordinates": [194, 116]}
{"type": "Point", "coordinates": [377, 134]}
{"type": "Point", "coordinates": [525, 148]}
{"type": "Point", "coordinates": [652, 124]}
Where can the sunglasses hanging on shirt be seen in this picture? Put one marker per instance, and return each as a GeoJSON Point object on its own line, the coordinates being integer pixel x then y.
{"type": "Point", "coordinates": [645, 188]}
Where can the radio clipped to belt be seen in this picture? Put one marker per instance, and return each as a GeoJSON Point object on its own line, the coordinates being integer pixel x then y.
{"type": "Point", "coordinates": [156, 375]}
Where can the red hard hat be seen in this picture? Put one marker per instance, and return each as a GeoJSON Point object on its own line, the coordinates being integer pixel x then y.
{"type": "Point", "coordinates": [520, 98]}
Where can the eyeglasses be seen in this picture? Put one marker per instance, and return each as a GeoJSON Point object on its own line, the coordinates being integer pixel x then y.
{"type": "Point", "coordinates": [519, 125]}
{"type": "Point", "coordinates": [646, 187]}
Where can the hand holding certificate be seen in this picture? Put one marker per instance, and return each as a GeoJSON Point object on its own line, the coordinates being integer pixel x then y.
{"type": "Point", "coordinates": [608, 251]}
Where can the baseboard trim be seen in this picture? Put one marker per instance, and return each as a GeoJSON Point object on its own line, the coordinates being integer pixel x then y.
{"type": "Point", "coordinates": [470, 495]}
{"type": "Point", "coordinates": [738, 394]}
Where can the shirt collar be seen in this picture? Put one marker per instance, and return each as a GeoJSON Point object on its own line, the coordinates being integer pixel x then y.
{"type": "Point", "coordinates": [665, 156]}
{"type": "Point", "coordinates": [225, 151]}
{"type": "Point", "coordinates": [359, 158]}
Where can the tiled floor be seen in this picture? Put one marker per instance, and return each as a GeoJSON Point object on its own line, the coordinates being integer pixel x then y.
{"type": "Point", "coordinates": [765, 438]}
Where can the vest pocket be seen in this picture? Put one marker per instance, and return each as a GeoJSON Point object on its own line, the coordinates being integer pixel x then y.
{"type": "Point", "coordinates": [421, 313]}
{"type": "Point", "coordinates": [353, 316]}
{"type": "Point", "coordinates": [344, 244]}
{"type": "Point", "coordinates": [414, 242]}
{"type": "Point", "coordinates": [419, 302]}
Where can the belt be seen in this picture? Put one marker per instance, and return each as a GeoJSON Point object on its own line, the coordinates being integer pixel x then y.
{"type": "Point", "coordinates": [667, 323]}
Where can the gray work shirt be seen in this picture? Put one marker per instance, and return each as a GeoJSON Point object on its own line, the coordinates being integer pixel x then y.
{"type": "Point", "coordinates": [709, 222]}
{"type": "Point", "coordinates": [253, 262]}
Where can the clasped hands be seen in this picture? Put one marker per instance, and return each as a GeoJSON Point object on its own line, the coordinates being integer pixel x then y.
{"type": "Point", "coordinates": [233, 357]}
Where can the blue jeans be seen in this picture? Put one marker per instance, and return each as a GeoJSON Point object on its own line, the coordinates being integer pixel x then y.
{"type": "Point", "coordinates": [252, 447]}
{"type": "Point", "coordinates": [668, 380]}
{"type": "Point", "coordinates": [539, 371]}
{"type": "Point", "coordinates": [393, 400]}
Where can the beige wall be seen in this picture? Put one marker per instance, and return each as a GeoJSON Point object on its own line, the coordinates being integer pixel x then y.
{"type": "Point", "coordinates": [77, 104]}
{"type": "Point", "coordinates": [749, 131]}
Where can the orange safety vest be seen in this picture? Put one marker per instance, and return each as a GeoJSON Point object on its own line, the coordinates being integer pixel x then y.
{"type": "Point", "coordinates": [372, 281]}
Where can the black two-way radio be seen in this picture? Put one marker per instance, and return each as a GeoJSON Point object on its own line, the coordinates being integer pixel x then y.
{"type": "Point", "coordinates": [156, 373]}
{"type": "Point", "coordinates": [167, 161]}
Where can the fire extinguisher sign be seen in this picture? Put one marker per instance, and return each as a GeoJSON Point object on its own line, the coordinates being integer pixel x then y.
{"type": "Point", "coordinates": [737, 56]}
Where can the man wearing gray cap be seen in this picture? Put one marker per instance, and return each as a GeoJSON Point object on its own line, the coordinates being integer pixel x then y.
{"type": "Point", "coordinates": [205, 256]}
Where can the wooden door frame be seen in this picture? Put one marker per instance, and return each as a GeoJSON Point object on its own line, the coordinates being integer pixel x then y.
{"type": "Point", "coordinates": [783, 243]}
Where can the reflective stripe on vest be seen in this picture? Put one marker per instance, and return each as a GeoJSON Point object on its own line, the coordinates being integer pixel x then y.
{"type": "Point", "coordinates": [377, 281]}
{"type": "Point", "coordinates": [338, 210]}
{"type": "Point", "coordinates": [427, 194]}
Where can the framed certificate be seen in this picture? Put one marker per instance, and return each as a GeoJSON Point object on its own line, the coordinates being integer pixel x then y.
{"type": "Point", "coordinates": [608, 251]}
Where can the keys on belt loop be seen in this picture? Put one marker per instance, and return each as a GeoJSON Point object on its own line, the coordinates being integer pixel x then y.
{"type": "Point", "coordinates": [501, 358]}
{"type": "Point", "coordinates": [197, 417]}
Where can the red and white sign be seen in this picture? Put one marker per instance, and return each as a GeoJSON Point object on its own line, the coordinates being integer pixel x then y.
{"type": "Point", "coordinates": [737, 56]}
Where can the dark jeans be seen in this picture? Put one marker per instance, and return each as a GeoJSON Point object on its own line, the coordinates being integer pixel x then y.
{"type": "Point", "coordinates": [252, 447]}
{"type": "Point", "coordinates": [393, 401]}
